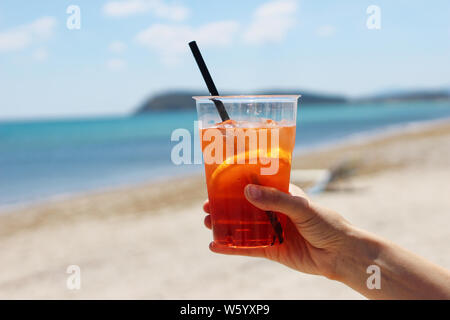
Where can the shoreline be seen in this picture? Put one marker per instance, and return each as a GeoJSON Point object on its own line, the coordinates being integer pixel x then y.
{"type": "Point", "coordinates": [349, 141]}
{"type": "Point", "coordinates": [7, 208]}
{"type": "Point", "coordinates": [371, 135]}
{"type": "Point", "coordinates": [356, 154]}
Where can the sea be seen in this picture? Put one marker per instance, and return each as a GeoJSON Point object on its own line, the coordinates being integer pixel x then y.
{"type": "Point", "coordinates": [47, 159]}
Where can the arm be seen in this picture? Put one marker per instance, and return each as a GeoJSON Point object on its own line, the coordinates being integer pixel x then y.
{"type": "Point", "coordinates": [320, 241]}
{"type": "Point", "coordinates": [404, 275]}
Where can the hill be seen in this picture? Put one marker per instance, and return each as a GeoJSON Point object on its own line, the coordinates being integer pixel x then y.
{"type": "Point", "coordinates": [182, 100]}
{"type": "Point", "coordinates": [408, 95]}
{"type": "Point", "coordinates": [179, 100]}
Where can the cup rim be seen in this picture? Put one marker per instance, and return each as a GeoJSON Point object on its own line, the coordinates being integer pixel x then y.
{"type": "Point", "coordinates": [256, 96]}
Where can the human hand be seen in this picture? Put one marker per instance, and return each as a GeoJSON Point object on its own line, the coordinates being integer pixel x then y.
{"type": "Point", "coordinates": [314, 235]}
{"type": "Point", "coordinates": [319, 241]}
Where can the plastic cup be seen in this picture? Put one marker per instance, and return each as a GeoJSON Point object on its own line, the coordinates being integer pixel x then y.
{"type": "Point", "coordinates": [254, 147]}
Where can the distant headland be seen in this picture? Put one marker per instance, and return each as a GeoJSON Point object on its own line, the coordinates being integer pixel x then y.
{"type": "Point", "coordinates": [182, 100]}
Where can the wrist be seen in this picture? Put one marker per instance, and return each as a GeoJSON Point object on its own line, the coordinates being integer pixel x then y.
{"type": "Point", "coordinates": [360, 250]}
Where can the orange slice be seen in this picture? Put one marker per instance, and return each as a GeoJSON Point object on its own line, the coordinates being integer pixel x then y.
{"type": "Point", "coordinates": [237, 171]}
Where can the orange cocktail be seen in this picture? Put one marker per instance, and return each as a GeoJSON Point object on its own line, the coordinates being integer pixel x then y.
{"type": "Point", "coordinates": [241, 152]}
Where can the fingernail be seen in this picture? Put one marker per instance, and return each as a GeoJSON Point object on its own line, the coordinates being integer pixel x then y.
{"type": "Point", "coordinates": [253, 192]}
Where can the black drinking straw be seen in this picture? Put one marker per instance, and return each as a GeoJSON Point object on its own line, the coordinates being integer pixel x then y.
{"type": "Point", "coordinates": [208, 80]}
{"type": "Point", "coordinates": [224, 116]}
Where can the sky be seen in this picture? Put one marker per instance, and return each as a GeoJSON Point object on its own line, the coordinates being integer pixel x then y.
{"type": "Point", "coordinates": [120, 52]}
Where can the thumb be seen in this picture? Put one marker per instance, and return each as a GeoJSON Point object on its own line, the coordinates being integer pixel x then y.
{"type": "Point", "coordinates": [297, 208]}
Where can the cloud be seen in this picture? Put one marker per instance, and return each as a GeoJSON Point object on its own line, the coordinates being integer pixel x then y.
{"type": "Point", "coordinates": [40, 54]}
{"type": "Point", "coordinates": [271, 22]}
{"type": "Point", "coordinates": [115, 64]}
{"type": "Point", "coordinates": [117, 47]}
{"type": "Point", "coordinates": [160, 8]}
{"type": "Point", "coordinates": [23, 36]}
{"type": "Point", "coordinates": [326, 31]}
{"type": "Point", "coordinates": [170, 41]}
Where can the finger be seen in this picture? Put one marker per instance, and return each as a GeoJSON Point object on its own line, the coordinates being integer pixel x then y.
{"type": "Point", "coordinates": [297, 208]}
{"type": "Point", "coordinates": [296, 191]}
{"type": "Point", "coordinates": [207, 221]}
{"type": "Point", "coordinates": [206, 206]}
{"type": "Point", "coordinates": [249, 252]}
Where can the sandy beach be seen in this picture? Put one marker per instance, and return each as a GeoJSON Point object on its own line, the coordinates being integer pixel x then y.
{"type": "Point", "coordinates": [149, 242]}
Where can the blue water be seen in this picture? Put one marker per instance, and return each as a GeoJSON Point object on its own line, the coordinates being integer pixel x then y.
{"type": "Point", "coordinates": [41, 159]}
